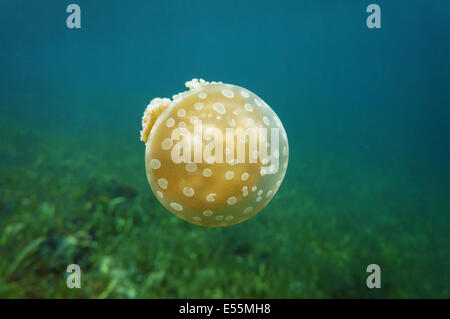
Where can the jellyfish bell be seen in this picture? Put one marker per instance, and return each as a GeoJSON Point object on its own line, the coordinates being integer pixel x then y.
{"type": "Point", "coordinates": [215, 154]}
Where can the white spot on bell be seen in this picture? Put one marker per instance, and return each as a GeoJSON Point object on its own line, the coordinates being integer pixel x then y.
{"type": "Point", "coordinates": [191, 167]}
{"type": "Point", "coordinates": [231, 200]}
{"type": "Point", "coordinates": [207, 172]}
{"type": "Point", "coordinates": [210, 197]}
{"type": "Point", "coordinates": [176, 206]}
{"type": "Point", "coordinates": [245, 94]}
{"type": "Point", "coordinates": [229, 175]}
{"type": "Point", "coordinates": [244, 176]}
{"type": "Point", "coordinates": [155, 164]}
{"type": "Point", "coordinates": [245, 191]}
{"type": "Point", "coordinates": [163, 183]}
{"type": "Point", "coordinates": [170, 122]}
{"type": "Point", "coordinates": [248, 107]}
{"type": "Point", "coordinates": [219, 108]}
{"type": "Point", "coordinates": [228, 93]}
{"type": "Point", "coordinates": [193, 119]}
{"type": "Point", "coordinates": [188, 191]}
{"type": "Point", "coordinates": [207, 213]}
{"type": "Point", "coordinates": [166, 144]}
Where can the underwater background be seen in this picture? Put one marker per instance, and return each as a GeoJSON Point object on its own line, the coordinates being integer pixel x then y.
{"type": "Point", "coordinates": [366, 112]}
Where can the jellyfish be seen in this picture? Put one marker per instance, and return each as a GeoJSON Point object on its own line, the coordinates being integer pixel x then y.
{"type": "Point", "coordinates": [215, 154]}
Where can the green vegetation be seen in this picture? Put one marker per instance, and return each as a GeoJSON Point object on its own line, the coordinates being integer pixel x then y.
{"type": "Point", "coordinates": [83, 198]}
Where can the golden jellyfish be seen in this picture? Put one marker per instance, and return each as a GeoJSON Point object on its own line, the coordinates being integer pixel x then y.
{"type": "Point", "coordinates": [215, 154]}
